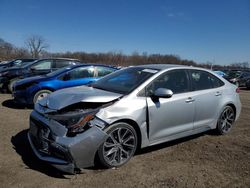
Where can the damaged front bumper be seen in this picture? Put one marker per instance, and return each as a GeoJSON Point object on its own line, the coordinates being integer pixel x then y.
{"type": "Point", "coordinates": [50, 143]}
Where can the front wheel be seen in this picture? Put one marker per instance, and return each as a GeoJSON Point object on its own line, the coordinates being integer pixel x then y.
{"type": "Point", "coordinates": [40, 95]}
{"type": "Point", "coordinates": [119, 146]}
{"type": "Point", "coordinates": [226, 120]}
{"type": "Point", "coordinates": [11, 83]}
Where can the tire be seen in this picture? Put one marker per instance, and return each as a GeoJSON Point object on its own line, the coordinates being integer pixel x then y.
{"type": "Point", "coordinates": [119, 147]}
{"type": "Point", "coordinates": [41, 94]}
{"type": "Point", "coordinates": [226, 120]}
{"type": "Point", "coordinates": [11, 83]}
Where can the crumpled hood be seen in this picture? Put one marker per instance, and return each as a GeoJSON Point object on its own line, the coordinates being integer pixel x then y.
{"type": "Point", "coordinates": [65, 97]}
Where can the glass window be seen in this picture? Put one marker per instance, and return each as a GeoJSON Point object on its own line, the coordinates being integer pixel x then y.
{"type": "Point", "coordinates": [124, 81]}
{"type": "Point", "coordinates": [103, 71]}
{"type": "Point", "coordinates": [41, 65]}
{"type": "Point", "coordinates": [64, 63]}
{"type": "Point", "coordinates": [203, 80]}
{"type": "Point", "coordinates": [176, 80]}
{"type": "Point", "coordinates": [80, 72]}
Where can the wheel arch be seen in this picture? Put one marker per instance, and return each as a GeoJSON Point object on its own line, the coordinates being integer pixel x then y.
{"type": "Point", "coordinates": [135, 126]}
{"type": "Point", "coordinates": [233, 106]}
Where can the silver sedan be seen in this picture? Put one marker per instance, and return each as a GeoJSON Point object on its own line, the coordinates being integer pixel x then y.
{"type": "Point", "coordinates": [127, 110]}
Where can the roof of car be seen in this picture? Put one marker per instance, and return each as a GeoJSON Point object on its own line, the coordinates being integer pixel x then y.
{"type": "Point", "coordinates": [59, 58]}
{"type": "Point", "coordinates": [161, 66]}
{"type": "Point", "coordinates": [92, 64]}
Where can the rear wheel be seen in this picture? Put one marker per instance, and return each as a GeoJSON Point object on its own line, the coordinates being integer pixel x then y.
{"type": "Point", "coordinates": [226, 120]}
{"type": "Point", "coordinates": [119, 146]}
{"type": "Point", "coordinates": [40, 95]}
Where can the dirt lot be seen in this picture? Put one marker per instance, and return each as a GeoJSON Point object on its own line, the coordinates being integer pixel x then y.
{"type": "Point", "coordinates": [204, 160]}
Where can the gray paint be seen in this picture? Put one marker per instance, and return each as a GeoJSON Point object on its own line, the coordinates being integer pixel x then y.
{"type": "Point", "coordinates": [169, 118]}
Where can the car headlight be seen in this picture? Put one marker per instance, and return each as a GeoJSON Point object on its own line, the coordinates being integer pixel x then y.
{"type": "Point", "coordinates": [75, 122]}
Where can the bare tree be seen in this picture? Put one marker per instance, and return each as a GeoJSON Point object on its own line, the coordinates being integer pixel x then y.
{"type": "Point", "coordinates": [36, 44]}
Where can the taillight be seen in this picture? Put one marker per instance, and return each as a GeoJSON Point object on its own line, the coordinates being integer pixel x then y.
{"type": "Point", "coordinates": [237, 90]}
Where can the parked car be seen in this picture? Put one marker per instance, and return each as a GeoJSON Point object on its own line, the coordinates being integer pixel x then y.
{"type": "Point", "coordinates": [3, 62]}
{"type": "Point", "coordinates": [32, 89]}
{"type": "Point", "coordinates": [248, 84]}
{"type": "Point", "coordinates": [127, 110]}
{"type": "Point", "coordinates": [220, 73]}
{"type": "Point", "coordinates": [39, 67]}
{"type": "Point", "coordinates": [239, 78]}
{"type": "Point", "coordinates": [16, 62]}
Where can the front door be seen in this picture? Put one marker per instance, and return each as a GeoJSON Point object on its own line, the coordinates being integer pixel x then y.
{"type": "Point", "coordinates": [170, 116]}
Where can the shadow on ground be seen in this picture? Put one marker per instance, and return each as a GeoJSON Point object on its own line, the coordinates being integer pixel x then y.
{"type": "Point", "coordinates": [170, 143]}
{"type": "Point", "coordinates": [10, 103]}
{"type": "Point", "coordinates": [21, 145]}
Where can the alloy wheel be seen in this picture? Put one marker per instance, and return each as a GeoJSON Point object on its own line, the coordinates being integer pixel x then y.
{"type": "Point", "coordinates": [226, 120]}
{"type": "Point", "coordinates": [120, 146]}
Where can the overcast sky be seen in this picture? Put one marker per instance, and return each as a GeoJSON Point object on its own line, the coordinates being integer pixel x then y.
{"type": "Point", "coordinates": [200, 30]}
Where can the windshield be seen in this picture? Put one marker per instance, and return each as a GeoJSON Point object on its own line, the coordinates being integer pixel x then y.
{"type": "Point", "coordinates": [125, 80]}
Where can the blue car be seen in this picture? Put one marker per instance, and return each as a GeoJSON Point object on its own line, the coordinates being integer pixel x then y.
{"type": "Point", "coordinates": [30, 90]}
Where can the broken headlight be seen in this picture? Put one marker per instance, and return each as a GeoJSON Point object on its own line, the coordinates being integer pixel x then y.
{"type": "Point", "coordinates": [76, 122]}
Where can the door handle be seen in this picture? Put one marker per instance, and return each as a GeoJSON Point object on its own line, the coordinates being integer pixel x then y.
{"type": "Point", "coordinates": [218, 94]}
{"type": "Point", "coordinates": [189, 100]}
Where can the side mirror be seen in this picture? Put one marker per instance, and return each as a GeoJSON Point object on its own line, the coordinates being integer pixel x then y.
{"type": "Point", "coordinates": [163, 93]}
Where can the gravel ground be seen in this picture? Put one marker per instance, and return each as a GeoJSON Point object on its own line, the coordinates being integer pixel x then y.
{"type": "Point", "coordinates": [204, 160]}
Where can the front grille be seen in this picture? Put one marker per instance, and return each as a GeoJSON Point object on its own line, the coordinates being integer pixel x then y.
{"type": "Point", "coordinates": [41, 137]}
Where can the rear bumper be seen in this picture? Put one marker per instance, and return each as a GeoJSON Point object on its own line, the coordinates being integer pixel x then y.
{"type": "Point", "coordinates": [49, 142]}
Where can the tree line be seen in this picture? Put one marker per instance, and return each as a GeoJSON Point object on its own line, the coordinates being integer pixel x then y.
{"type": "Point", "coordinates": [36, 47]}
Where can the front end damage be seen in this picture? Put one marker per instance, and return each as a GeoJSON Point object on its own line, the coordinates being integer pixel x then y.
{"type": "Point", "coordinates": [67, 138]}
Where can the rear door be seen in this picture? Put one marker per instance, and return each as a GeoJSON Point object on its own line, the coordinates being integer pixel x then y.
{"type": "Point", "coordinates": [170, 116]}
{"type": "Point", "coordinates": [207, 93]}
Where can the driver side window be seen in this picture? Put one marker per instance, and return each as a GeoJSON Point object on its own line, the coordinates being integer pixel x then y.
{"type": "Point", "coordinates": [176, 80]}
